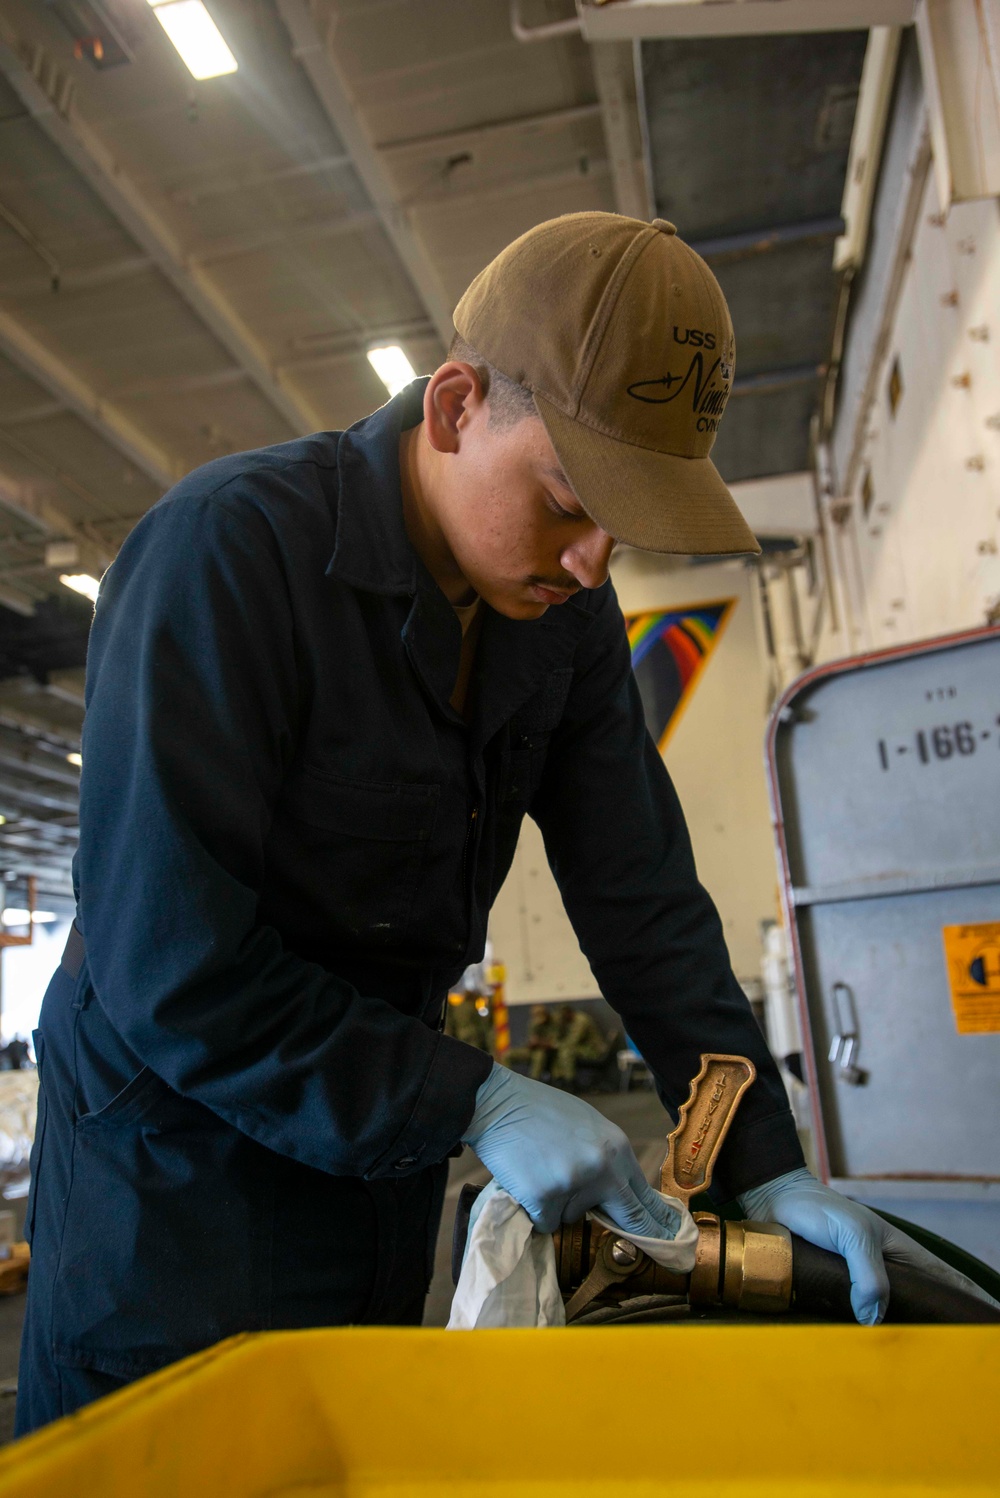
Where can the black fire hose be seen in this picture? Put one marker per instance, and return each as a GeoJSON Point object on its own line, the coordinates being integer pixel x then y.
{"type": "Point", "coordinates": [821, 1290]}
{"type": "Point", "coordinates": [821, 1287]}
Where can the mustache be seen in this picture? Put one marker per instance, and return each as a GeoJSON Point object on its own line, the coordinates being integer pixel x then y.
{"type": "Point", "coordinates": [557, 584]}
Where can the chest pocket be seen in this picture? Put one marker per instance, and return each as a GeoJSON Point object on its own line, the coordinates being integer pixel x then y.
{"type": "Point", "coordinates": [528, 733]}
{"type": "Point", "coordinates": [364, 844]}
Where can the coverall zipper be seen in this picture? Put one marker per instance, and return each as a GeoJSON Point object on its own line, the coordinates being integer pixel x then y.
{"type": "Point", "coordinates": [470, 833]}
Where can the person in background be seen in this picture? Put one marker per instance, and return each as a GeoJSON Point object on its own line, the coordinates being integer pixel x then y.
{"type": "Point", "coordinates": [541, 1045]}
{"type": "Point", "coordinates": [579, 1038]}
{"type": "Point", "coordinates": [464, 1022]}
{"type": "Point", "coordinates": [15, 1056]}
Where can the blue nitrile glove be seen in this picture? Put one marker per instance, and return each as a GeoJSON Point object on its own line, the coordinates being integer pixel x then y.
{"type": "Point", "coordinates": [559, 1157]}
{"type": "Point", "coordinates": [832, 1221]}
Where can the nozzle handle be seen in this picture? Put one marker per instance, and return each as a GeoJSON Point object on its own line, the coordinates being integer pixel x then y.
{"type": "Point", "coordinates": [703, 1124]}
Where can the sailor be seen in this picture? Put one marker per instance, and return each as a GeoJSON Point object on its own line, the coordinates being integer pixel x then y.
{"type": "Point", "coordinates": [326, 681]}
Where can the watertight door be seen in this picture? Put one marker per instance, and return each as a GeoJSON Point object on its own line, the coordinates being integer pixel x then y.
{"type": "Point", "coordinates": [886, 786]}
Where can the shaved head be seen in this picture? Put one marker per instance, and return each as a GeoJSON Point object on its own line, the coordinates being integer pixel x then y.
{"type": "Point", "coordinates": [509, 402]}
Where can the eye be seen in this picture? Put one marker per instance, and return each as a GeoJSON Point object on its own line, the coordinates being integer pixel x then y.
{"type": "Point", "coordinates": [557, 509]}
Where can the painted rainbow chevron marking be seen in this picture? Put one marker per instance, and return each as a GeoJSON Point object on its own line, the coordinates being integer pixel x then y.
{"type": "Point", "coordinates": [670, 649]}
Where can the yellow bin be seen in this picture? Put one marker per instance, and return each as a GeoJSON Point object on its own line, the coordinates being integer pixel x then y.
{"type": "Point", "coordinates": [621, 1413]}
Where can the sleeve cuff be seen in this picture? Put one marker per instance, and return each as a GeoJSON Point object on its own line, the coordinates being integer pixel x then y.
{"type": "Point", "coordinates": [766, 1148]}
{"type": "Point", "coordinates": [446, 1103]}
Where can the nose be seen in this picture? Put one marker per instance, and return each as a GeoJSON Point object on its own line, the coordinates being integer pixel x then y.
{"type": "Point", "coordinates": [588, 556]}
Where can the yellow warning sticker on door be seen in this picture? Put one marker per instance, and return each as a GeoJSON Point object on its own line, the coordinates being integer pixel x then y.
{"type": "Point", "coordinates": [972, 954]}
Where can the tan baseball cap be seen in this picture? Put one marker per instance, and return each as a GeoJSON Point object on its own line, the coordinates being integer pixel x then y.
{"type": "Point", "coordinates": [622, 335]}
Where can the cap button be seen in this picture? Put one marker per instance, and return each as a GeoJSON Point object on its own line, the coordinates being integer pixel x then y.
{"type": "Point", "coordinates": [664, 225]}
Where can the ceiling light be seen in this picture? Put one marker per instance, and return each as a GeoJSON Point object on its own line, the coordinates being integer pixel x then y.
{"type": "Point", "coordinates": [75, 759]}
{"type": "Point", "coordinates": [81, 582]}
{"type": "Point", "coordinates": [199, 41]}
{"type": "Point", "coordinates": [61, 554]}
{"type": "Point", "coordinates": [13, 917]}
{"type": "Point", "coordinates": [392, 367]}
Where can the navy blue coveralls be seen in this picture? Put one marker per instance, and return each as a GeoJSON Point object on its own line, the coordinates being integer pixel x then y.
{"type": "Point", "coordinates": [289, 847]}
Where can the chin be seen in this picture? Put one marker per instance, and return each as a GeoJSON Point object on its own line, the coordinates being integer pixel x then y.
{"type": "Point", "coordinates": [518, 608]}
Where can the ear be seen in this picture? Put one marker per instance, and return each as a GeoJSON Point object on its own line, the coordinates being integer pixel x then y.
{"type": "Point", "coordinates": [452, 398]}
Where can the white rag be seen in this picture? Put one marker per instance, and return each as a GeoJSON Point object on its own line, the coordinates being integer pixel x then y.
{"type": "Point", "coordinates": [508, 1274]}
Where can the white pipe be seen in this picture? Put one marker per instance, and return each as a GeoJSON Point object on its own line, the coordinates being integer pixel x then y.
{"type": "Point", "coordinates": [543, 33]}
{"type": "Point", "coordinates": [877, 78]}
{"type": "Point", "coordinates": [780, 1007]}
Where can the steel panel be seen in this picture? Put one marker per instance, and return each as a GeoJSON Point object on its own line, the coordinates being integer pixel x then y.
{"type": "Point", "coordinates": [912, 1115]}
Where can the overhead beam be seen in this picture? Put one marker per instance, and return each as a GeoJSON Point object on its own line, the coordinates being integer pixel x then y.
{"type": "Point", "coordinates": [31, 795]}
{"type": "Point", "coordinates": [11, 716]}
{"type": "Point", "coordinates": [48, 96]}
{"type": "Point", "coordinates": [769, 380]}
{"type": "Point", "coordinates": [248, 182]}
{"type": "Point", "coordinates": [762, 241]}
{"type": "Point", "coordinates": [270, 236]}
{"type": "Point", "coordinates": [527, 124]}
{"type": "Point", "coordinates": [48, 370]}
{"type": "Point", "coordinates": [25, 848]}
{"type": "Point", "coordinates": [22, 850]}
{"type": "Point", "coordinates": [18, 853]}
{"type": "Point", "coordinates": [88, 279]}
{"type": "Point", "coordinates": [23, 501]}
{"type": "Point", "coordinates": [184, 384]}
{"type": "Point", "coordinates": [25, 759]}
{"type": "Point", "coordinates": [316, 55]}
{"type": "Point", "coordinates": [18, 602]}
{"type": "Point", "coordinates": [41, 410]}
{"type": "Point", "coordinates": [68, 686]}
{"type": "Point", "coordinates": [519, 186]}
{"type": "Point", "coordinates": [52, 832]}
{"type": "Point", "coordinates": [28, 833]}
{"type": "Point", "coordinates": [329, 348]}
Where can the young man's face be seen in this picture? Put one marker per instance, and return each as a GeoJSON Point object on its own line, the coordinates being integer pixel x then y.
{"type": "Point", "coordinates": [514, 526]}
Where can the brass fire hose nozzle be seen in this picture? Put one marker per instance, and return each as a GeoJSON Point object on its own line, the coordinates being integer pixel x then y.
{"type": "Point", "coordinates": [745, 1266]}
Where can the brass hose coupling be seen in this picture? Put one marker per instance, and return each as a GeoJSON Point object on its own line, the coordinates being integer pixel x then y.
{"type": "Point", "coordinates": [744, 1266]}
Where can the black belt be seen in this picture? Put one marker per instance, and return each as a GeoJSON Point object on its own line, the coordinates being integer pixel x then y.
{"type": "Point", "coordinates": [72, 958]}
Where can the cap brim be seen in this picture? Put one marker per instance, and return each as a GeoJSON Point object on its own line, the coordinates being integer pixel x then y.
{"type": "Point", "coordinates": [651, 500]}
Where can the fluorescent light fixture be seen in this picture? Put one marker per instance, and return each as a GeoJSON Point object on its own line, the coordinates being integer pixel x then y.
{"type": "Point", "coordinates": [14, 917]}
{"type": "Point", "coordinates": [75, 759]}
{"type": "Point", "coordinates": [61, 554]}
{"type": "Point", "coordinates": [81, 582]}
{"type": "Point", "coordinates": [199, 41]}
{"type": "Point", "coordinates": [392, 367]}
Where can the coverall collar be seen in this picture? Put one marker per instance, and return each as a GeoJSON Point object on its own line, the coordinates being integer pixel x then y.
{"type": "Point", "coordinates": [515, 657]}
{"type": "Point", "coordinates": [371, 549]}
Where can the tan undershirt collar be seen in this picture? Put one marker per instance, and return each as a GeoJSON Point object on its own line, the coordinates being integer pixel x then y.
{"type": "Point", "coordinates": [469, 616]}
